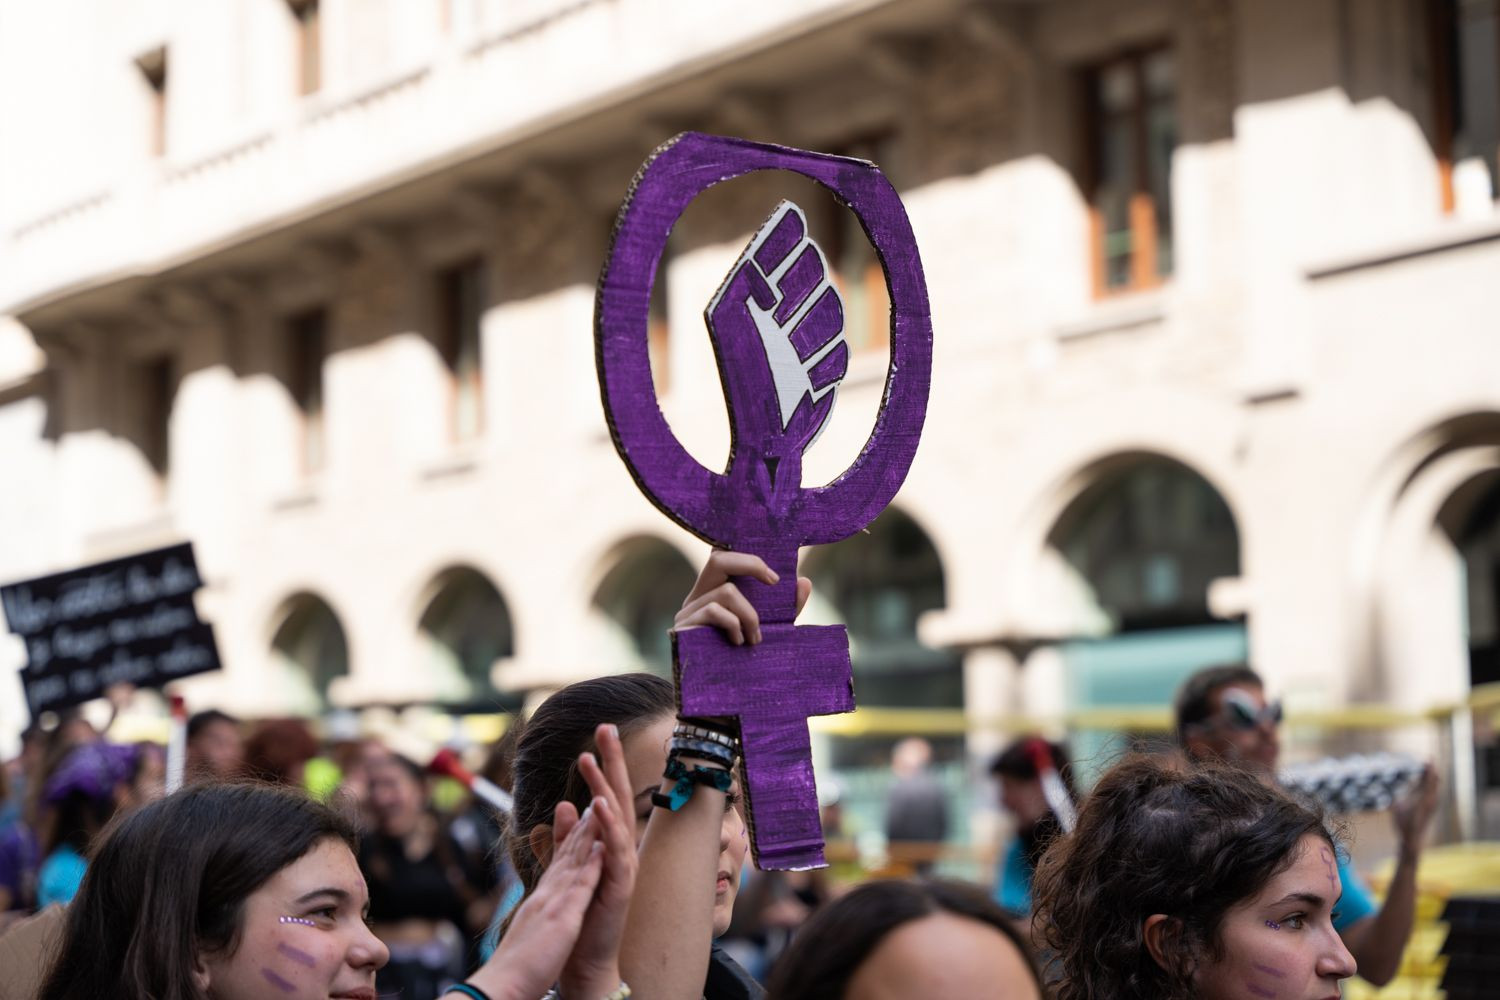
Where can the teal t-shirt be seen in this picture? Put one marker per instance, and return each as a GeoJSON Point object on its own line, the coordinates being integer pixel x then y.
{"type": "Point", "coordinates": [1013, 887]}
{"type": "Point", "coordinates": [59, 877]}
{"type": "Point", "coordinates": [1357, 902]}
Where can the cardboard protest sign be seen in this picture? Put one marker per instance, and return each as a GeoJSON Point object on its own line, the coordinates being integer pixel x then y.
{"type": "Point", "coordinates": [777, 330]}
{"type": "Point", "coordinates": [128, 620]}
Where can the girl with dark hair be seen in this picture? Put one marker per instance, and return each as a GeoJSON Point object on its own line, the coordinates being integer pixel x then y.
{"type": "Point", "coordinates": [890, 940]}
{"type": "Point", "coordinates": [234, 892]}
{"type": "Point", "coordinates": [1192, 885]}
{"type": "Point", "coordinates": [690, 853]}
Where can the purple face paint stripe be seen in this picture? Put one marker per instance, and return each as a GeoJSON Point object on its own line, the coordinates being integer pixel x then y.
{"type": "Point", "coordinates": [277, 981]}
{"type": "Point", "coordinates": [798, 282]}
{"type": "Point", "coordinates": [298, 920]}
{"type": "Point", "coordinates": [1273, 925]}
{"type": "Point", "coordinates": [782, 241]}
{"type": "Point", "coordinates": [297, 955]}
{"type": "Point", "coordinates": [1268, 970]}
{"type": "Point", "coordinates": [1260, 991]}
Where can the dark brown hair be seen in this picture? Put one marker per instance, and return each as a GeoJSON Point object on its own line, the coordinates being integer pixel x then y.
{"type": "Point", "coordinates": [831, 946]}
{"type": "Point", "coordinates": [168, 884]}
{"type": "Point", "coordinates": [1194, 701]}
{"type": "Point", "coordinates": [1156, 837]}
{"type": "Point", "coordinates": [275, 749]}
{"type": "Point", "coordinates": [561, 728]}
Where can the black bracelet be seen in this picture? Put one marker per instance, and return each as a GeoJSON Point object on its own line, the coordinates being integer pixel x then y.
{"type": "Point", "coordinates": [687, 781]}
{"type": "Point", "coordinates": [706, 749]}
{"type": "Point", "coordinates": [472, 992]}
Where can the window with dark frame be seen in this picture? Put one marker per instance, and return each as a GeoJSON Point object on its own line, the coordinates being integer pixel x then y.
{"type": "Point", "coordinates": [1132, 133]}
{"type": "Point", "coordinates": [855, 268]}
{"type": "Point", "coordinates": [153, 67]}
{"type": "Point", "coordinates": [1466, 57]}
{"type": "Point", "coordinates": [156, 382]}
{"type": "Point", "coordinates": [461, 298]}
{"type": "Point", "coordinates": [309, 19]}
{"type": "Point", "coordinates": [307, 350]}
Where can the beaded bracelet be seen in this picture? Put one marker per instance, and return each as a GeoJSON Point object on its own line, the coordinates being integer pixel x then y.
{"type": "Point", "coordinates": [621, 992]}
{"type": "Point", "coordinates": [704, 733]}
{"type": "Point", "coordinates": [687, 780]}
{"type": "Point", "coordinates": [706, 749]}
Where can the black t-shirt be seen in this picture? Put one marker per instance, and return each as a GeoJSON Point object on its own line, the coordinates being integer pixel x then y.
{"type": "Point", "coordinates": [433, 887]}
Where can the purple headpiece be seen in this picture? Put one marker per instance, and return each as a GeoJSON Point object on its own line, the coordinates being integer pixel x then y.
{"type": "Point", "coordinates": [777, 329]}
{"type": "Point", "coordinates": [92, 770]}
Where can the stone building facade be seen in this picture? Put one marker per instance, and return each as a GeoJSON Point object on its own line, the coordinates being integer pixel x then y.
{"type": "Point", "coordinates": [310, 283]}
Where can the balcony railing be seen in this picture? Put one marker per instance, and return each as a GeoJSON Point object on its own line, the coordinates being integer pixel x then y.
{"type": "Point", "coordinates": [549, 61]}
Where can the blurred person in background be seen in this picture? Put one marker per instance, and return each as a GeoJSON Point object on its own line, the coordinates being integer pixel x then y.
{"type": "Point", "coordinates": [215, 748]}
{"type": "Point", "coordinates": [19, 859]}
{"type": "Point", "coordinates": [354, 759]}
{"type": "Point", "coordinates": [43, 750]}
{"type": "Point", "coordinates": [17, 773]}
{"type": "Point", "coordinates": [278, 751]}
{"type": "Point", "coordinates": [1022, 796]}
{"type": "Point", "coordinates": [423, 894]}
{"type": "Point", "coordinates": [479, 830]}
{"type": "Point", "coordinates": [916, 813]}
{"type": "Point", "coordinates": [87, 786]}
{"type": "Point", "coordinates": [1222, 714]}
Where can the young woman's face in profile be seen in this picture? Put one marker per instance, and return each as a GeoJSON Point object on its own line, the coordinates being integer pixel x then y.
{"type": "Point", "coordinates": [943, 955]}
{"type": "Point", "coordinates": [1280, 944]}
{"type": "Point", "coordinates": [645, 760]}
{"type": "Point", "coordinates": [303, 935]}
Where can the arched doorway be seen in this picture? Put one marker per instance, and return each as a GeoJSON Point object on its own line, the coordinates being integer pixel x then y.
{"type": "Point", "coordinates": [308, 652]}
{"type": "Point", "coordinates": [466, 629]}
{"type": "Point", "coordinates": [635, 603]}
{"type": "Point", "coordinates": [1473, 521]}
{"type": "Point", "coordinates": [879, 584]}
{"type": "Point", "coordinates": [1139, 549]}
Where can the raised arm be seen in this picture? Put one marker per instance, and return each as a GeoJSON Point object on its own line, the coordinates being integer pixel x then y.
{"type": "Point", "coordinates": [670, 929]}
{"type": "Point", "coordinates": [1378, 941]}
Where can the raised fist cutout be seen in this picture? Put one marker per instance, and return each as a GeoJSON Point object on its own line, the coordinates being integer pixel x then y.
{"type": "Point", "coordinates": [778, 329]}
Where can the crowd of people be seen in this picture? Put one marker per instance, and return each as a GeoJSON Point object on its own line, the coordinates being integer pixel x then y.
{"type": "Point", "coordinates": [619, 867]}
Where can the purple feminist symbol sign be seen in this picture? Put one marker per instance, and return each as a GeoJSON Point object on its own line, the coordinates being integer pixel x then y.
{"type": "Point", "coordinates": [777, 327]}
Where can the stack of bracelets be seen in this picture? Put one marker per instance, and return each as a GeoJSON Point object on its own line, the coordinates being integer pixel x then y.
{"type": "Point", "coordinates": [715, 752]}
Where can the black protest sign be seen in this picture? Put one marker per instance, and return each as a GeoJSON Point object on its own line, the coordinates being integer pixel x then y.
{"type": "Point", "coordinates": [128, 620]}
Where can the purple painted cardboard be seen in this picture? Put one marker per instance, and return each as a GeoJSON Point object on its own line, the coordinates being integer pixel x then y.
{"type": "Point", "coordinates": [777, 330]}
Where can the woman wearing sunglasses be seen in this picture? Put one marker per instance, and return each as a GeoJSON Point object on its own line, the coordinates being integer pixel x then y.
{"type": "Point", "coordinates": [1222, 714]}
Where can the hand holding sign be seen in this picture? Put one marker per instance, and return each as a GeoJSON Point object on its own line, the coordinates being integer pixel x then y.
{"type": "Point", "coordinates": [777, 326]}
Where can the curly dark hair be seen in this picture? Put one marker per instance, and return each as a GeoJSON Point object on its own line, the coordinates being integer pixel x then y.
{"type": "Point", "coordinates": [1157, 837]}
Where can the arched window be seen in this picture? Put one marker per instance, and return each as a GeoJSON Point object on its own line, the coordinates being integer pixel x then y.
{"type": "Point", "coordinates": [1146, 541]}
{"type": "Point", "coordinates": [878, 584]}
{"type": "Point", "coordinates": [466, 628]}
{"type": "Point", "coordinates": [1141, 547]}
{"type": "Point", "coordinates": [638, 599]}
{"type": "Point", "coordinates": [310, 651]}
